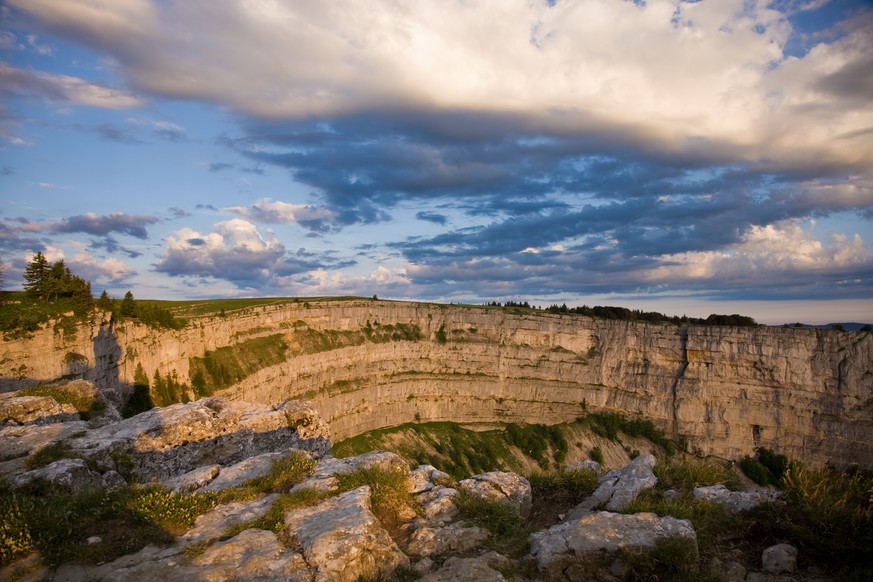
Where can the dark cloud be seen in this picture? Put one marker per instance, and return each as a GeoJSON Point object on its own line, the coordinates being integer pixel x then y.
{"type": "Point", "coordinates": [6, 170]}
{"type": "Point", "coordinates": [440, 219]}
{"type": "Point", "coordinates": [120, 222]}
{"type": "Point", "coordinates": [179, 212]}
{"type": "Point", "coordinates": [206, 207]}
{"type": "Point", "coordinates": [111, 245]}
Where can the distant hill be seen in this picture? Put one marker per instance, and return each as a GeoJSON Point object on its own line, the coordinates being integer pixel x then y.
{"type": "Point", "coordinates": [850, 326]}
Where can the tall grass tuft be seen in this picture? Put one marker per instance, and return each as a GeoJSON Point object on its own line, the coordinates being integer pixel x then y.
{"type": "Point", "coordinates": [687, 473]}
{"type": "Point", "coordinates": [389, 492]}
{"type": "Point", "coordinates": [508, 530]}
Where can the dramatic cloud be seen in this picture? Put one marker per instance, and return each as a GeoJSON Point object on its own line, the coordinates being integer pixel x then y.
{"type": "Point", "coordinates": [235, 251]}
{"type": "Point", "coordinates": [708, 78]}
{"type": "Point", "coordinates": [91, 223]}
{"type": "Point", "coordinates": [458, 150]}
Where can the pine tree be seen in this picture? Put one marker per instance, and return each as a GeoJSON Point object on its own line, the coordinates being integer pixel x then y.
{"type": "Point", "coordinates": [104, 302]}
{"type": "Point", "coordinates": [128, 306]}
{"type": "Point", "coordinates": [36, 276]}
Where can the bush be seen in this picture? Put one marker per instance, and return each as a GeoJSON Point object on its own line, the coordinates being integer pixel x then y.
{"type": "Point", "coordinates": [767, 468]}
{"type": "Point", "coordinates": [596, 455]}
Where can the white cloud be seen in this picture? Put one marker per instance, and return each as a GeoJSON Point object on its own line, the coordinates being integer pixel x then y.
{"type": "Point", "coordinates": [766, 253]}
{"type": "Point", "coordinates": [234, 251]}
{"type": "Point", "coordinates": [687, 76]}
{"type": "Point", "coordinates": [278, 212]}
{"type": "Point", "coordinates": [110, 270]}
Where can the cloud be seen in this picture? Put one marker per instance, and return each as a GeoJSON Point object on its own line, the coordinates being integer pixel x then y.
{"type": "Point", "coordinates": [277, 212]}
{"type": "Point", "coordinates": [63, 88]}
{"type": "Point", "coordinates": [107, 271]}
{"type": "Point", "coordinates": [111, 245]}
{"type": "Point", "coordinates": [162, 129]}
{"type": "Point", "coordinates": [433, 217]}
{"type": "Point", "coordinates": [235, 251]}
{"type": "Point", "coordinates": [692, 78]}
{"type": "Point", "coordinates": [90, 223]}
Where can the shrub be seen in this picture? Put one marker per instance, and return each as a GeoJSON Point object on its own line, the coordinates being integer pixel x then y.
{"type": "Point", "coordinates": [755, 471]}
{"type": "Point", "coordinates": [596, 454]}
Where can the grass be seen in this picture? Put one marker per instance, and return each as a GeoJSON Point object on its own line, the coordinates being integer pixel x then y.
{"type": "Point", "coordinates": [48, 454]}
{"type": "Point", "coordinates": [673, 558]}
{"type": "Point", "coordinates": [389, 492]}
{"type": "Point", "coordinates": [284, 473]}
{"type": "Point", "coordinates": [556, 492]}
{"type": "Point", "coordinates": [126, 519]}
{"type": "Point", "coordinates": [508, 531]}
{"type": "Point", "coordinates": [690, 472]}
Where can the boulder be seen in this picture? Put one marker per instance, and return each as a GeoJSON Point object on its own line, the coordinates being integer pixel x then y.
{"type": "Point", "coordinates": [254, 554]}
{"type": "Point", "coordinates": [476, 569]}
{"type": "Point", "coordinates": [779, 559]}
{"type": "Point", "coordinates": [67, 475]}
{"type": "Point", "coordinates": [590, 540]}
{"type": "Point", "coordinates": [438, 504]}
{"type": "Point", "coordinates": [736, 501]}
{"type": "Point", "coordinates": [509, 488]}
{"type": "Point", "coordinates": [241, 472]}
{"type": "Point", "coordinates": [23, 410]}
{"type": "Point", "coordinates": [192, 480]}
{"type": "Point", "coordinates": [18, 441]}
{"type": "Point", "coordinates": [213, 524]}
{"type": "Point", "coordinates": [342, 540]}
{"type": "Point", "coordinates": [424, 478]}
{"type": "Point", "coordinates": [454, 538]}
{"type": "Point", "coordinates": [619, 487]}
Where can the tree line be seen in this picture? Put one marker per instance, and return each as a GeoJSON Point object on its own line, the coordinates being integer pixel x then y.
{"type": "Point", "coordinates": [625, 314]}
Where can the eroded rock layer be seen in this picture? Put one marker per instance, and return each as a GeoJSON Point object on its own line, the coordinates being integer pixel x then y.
{"type": "Point", "coordinates": [370, 364]}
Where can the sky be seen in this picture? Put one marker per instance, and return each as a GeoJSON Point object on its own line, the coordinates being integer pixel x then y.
{"type": "Point", "coordinates": [688, 157]}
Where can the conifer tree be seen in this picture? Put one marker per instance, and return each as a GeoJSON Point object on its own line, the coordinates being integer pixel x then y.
{"type": "Point", "coordinates": [128, 306]}
{"type": "Point", "coordinates": [36, 276]}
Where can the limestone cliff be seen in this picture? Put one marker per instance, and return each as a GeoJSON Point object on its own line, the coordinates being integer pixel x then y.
{"type": "Point", "coordinates": [368, 364]}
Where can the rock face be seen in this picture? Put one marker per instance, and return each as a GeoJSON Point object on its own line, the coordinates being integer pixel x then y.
{"type": "Point", "coordinates": [804, 393]}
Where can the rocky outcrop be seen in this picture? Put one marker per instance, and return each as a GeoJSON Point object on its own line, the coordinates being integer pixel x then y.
{"type": "Point", "coordinates": [619, 487]}
{"type": "Point", "coordinates": [804, 393]}
{"type": "Point", "coordinates": [577, 548]}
